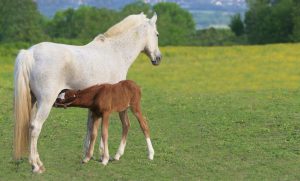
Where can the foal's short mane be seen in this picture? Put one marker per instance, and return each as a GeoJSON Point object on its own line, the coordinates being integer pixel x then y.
{"type": "Point", "coordinates": [92, 88]}
{"type": "Point", "coordinates": [129, 22]}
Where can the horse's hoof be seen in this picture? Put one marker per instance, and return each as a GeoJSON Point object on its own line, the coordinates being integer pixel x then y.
{"type": "Point", "coordinates": [85, 160]}
{"type": "Point", "coordinates": [38, 170]}
{"type": "Point", "coordinates": [151, 156]}
{"type": "Point", "coordinates": [104, 162]}
{"type": "Point", "coordinates": [42, 169]}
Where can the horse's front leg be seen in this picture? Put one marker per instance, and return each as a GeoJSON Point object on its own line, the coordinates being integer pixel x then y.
{"type": "Point", "coordinates": [105, 123]}
{"type": "Point", "coordinates": [93, 135]}
{"type": "Point", "coordinates": [125, 127]}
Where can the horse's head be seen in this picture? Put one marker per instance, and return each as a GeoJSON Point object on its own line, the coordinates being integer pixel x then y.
{"type": "Point", "coordinates": [151, 48]}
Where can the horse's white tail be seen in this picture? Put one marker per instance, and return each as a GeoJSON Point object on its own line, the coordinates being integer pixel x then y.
{"type": "Point", "coordinates": [22, 102]}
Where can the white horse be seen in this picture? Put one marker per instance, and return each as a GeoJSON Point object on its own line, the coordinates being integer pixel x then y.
{"type": "Point", "coordinates": [45, 69]}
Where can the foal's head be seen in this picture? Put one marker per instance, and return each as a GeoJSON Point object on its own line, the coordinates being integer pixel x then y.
{"type": "Point", "coordinates": [70, 94]}
{"type": "Point", "coordinates": [66, 96]}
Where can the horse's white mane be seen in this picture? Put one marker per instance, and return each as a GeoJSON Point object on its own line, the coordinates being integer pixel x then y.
{"type": "Point", "coordinates": [127, 23]}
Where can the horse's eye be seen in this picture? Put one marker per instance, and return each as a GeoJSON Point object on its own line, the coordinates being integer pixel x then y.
{"type": "Point", "coordinates": [157, 34]}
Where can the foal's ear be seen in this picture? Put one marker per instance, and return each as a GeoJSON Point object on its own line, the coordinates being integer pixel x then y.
{"type": "Point", "coordinates": [154, 18]}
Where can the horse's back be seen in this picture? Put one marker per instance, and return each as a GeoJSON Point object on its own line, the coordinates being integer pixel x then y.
{"type": "Point", "coordinates": [55, 52]}
{"type": "Point", "coordinates": [51, 64]}
{"type": "Point", "coordinates": [71, 66]}
{"type": "Point", "coordinates": [51, 54]}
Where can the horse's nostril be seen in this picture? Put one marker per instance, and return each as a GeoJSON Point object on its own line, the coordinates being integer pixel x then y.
{"type": "Point", "coordinates": [158, 58]}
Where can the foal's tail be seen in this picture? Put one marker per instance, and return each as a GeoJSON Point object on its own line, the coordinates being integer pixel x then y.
{"type": "Point", "coordinates": [22, 103]}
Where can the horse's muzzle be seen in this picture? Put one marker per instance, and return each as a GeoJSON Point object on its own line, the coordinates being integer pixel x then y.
{"type": "Point", "coordinates": [157, 60]}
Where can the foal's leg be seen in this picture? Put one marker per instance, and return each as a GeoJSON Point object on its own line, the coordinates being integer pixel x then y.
{"type": "Point", "coordinates": [93, 136]}
{"type": "Point", "coordinates": [105, 123]}
{"type": "Point", "coordinates": [144, 126]}
{"type": "Point", "coordinates": [101, 147]}
{"type": "Point", "coordinates": [125, 127]}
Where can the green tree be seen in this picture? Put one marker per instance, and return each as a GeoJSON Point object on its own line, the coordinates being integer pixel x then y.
{"type": "Point", "coordinates": [296, 21]}
{"type": "Point", "coordinates": [136, 8]}
{"type": "Point", "coordinates": [62, 25]}
{"type": "Point", "coordinates": [20, 21]}
{"type": "Point", "coordinates": [269, 21]}
{"type": "Point", "coordinates": [84, 23]}
{"type": "Point", "coordinates": [236, 25]}
{"type": "Point", "coordinates": [215, 37]}
{"type": "Point", "coordinates": [175, 25]}
{"type": "Point", "coordinates": [90, 21]}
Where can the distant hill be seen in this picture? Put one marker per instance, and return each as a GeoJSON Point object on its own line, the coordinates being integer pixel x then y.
{"type": "Point", "coordinates": [206, 13]}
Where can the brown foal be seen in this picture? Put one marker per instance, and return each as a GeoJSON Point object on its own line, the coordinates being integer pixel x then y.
{"type": "Point", "coordinates": [102, 100]}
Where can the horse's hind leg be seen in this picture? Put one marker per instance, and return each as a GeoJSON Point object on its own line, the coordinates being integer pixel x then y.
{"type": "Point", "coordinates": [93, 135]}
{"type": "Point", "coordinates": [125, 127]}
{"type": "Point", "coordinates": [89, 126]}
{"type": "Point", "coordinates": [43, 110]}
{"type": "Point", "coordinates": [136, 109]}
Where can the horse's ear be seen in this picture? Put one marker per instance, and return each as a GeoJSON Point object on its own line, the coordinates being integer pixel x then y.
{"type": "Point", "coordinates": [154, 18]}
{"type": "Point", "coordinates": [142, 14]}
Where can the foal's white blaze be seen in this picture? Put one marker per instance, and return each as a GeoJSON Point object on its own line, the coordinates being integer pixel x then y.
{"type": "Point", "coordinates": [61, 95]}
{"type": "Point", "coordinates": [150, 149]}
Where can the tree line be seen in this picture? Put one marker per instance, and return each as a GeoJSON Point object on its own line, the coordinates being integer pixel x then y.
{"type": "Point", "coordinates": [21, 21]}
{"type": "Point", "coordinates": [266, 21]}
{"type": "Point", "coordinates": [269, 21]}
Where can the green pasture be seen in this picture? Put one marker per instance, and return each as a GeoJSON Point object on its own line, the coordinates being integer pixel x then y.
{"type": "Point", "coordinates": [219, 113]}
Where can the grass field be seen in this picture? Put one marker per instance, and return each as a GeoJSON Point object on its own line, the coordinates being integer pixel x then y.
{"type": "Point", "coordinates": [220, 113]}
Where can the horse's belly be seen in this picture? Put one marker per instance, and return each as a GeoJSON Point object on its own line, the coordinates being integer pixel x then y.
{"type": "Point", "coordinates": [91, 75]}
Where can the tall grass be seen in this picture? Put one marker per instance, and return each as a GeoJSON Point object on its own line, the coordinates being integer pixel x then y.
{"type": "Point", "coordinates": [219, 113]}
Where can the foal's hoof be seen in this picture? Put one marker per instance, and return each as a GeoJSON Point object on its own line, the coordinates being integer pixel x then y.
{"type": "Point", "coordinates": [38, 169]}
{"type": "Point", "coordinates": [85, 160]}
{"type": "Point", "coordinates": [117, 157]}
{"type": "Point", "coordinates": [105, 161]}
{"type": "Point", "coordinates": [110, 159]}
